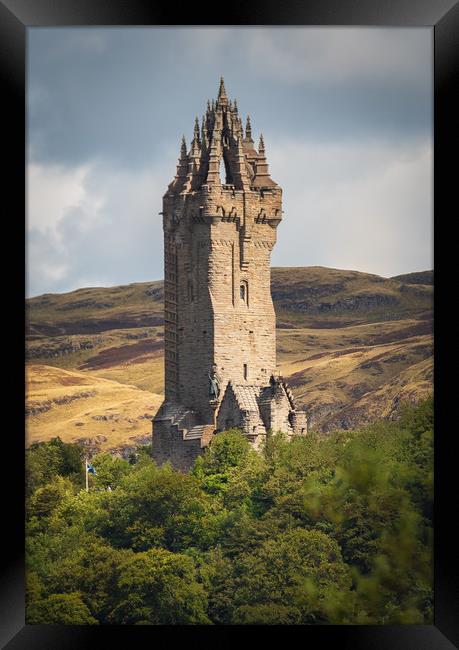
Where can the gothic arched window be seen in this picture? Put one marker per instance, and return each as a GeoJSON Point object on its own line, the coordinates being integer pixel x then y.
{"type": "Point", "coordinates": [222, 171]}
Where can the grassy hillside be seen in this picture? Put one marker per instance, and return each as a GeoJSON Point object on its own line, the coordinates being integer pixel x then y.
{"type": "Point", "coordinates": [350, 344]}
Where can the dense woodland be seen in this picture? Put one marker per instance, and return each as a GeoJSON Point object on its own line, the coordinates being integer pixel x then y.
{"type": "Point", "coordinates": [334, 530]}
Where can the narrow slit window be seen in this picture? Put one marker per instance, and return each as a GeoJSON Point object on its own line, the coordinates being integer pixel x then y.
{"type": "Point", "coordinates": [245, 371]}
{"type": "Point", "coordinates": [243, 291]}
{"type": "Point", "coordinates": [190, 291]}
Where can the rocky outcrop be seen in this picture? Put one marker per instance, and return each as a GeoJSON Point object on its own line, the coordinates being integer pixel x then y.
{"type": "Point", "coordinates": [35, 407]}
{"type": "Point", "coordinates": [85, 304]}
{"type": "Point", "coordinates": [53, 350]}
{"type": "Point", "coordinates": [157, 293]}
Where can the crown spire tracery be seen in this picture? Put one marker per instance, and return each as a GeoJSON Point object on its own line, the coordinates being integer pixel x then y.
{"type": "Point", "coordinates": [221, 135]}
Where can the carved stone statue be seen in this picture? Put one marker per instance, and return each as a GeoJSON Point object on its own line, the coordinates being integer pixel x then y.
{"type": "Point", "coordinates": [214, 384]}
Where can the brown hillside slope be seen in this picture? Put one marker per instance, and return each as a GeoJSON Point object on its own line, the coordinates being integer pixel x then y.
{"type": "Point", "coordinates": [78, 407]}
{"type": "Point", "coordinates": [343, 337]}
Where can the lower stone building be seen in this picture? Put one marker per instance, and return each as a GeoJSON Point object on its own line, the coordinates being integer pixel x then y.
{"type": "Point", "coordinates": [259, 410]}
{"type": "Point", "coordinates": [180, 436]}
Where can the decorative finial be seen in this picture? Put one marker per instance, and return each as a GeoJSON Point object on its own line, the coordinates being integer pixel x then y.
{"type": "Point", "coordinates": [235, 106]}
{"type": "Point", "coordinates": [183, 147]}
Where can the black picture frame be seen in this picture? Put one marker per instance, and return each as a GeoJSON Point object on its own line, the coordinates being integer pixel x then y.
{"type": "Point", "coordinates": [443, 16]}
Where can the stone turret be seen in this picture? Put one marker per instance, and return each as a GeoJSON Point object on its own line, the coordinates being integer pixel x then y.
{"type": "Point", "coordinates": [220, 218]}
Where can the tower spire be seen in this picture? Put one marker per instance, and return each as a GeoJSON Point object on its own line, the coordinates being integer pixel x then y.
{"type": "Point", "coordinates": [183, 148]}
{"type": "Point", "coordinates": [196, 131]}
{"type": "Point", "coordinates": [204, 137]}
{"type": "Point", "coordinates": [248, 130]}
{"type": "Point", "coordinates": [213, 171]}
{"type": "Point", "coordinates": [182, 168]}
{"type": "Point", "coordinates": [222, 99]}
{"type": "Point", "coordinates": [221, 90]}
{"type": "Point", "coordinates": [262, 177]}
{"type": "Point", "coordinates": [241, 169]}
{"type": "Point", "coordinates": [261, 145]}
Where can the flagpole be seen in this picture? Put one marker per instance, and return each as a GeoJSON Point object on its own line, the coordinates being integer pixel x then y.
{"type": "Point", "coordinates": [86, 471]}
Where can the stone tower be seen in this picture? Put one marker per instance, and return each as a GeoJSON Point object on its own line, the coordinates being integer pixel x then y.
{"type": "Point", "coordinates": [220, 215]}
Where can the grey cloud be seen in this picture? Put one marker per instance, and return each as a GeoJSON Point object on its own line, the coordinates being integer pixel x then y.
{"type": "Point", "coordinates": [122, 92]}
{"type": "Point", "coordinates": [112, 235]}
{"type": "Point", "coordinates": [347, 120]}
{"type": "Point", "coordinates": [366, 207]}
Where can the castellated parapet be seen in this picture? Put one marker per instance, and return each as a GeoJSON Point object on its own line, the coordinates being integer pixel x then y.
{"type": "Point", "coordinates": [220, 216]}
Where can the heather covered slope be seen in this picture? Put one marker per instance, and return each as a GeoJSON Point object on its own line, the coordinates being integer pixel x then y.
{"type": "Point", "coordinates": [352, 345]}
{"type": "Point", "coordinates": [421, 277]}
{"type": "Point", "coordinates": [322, 297]}
{"type": "Point", "coordinates": [95, 310]}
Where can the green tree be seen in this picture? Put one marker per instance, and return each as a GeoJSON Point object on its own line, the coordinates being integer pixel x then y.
{"type": "Point", "coordinates": [45, 460]}
{"type": "Point", "coordinates": [159, 507]}
{"type": "Point", "coordinates": [46, 500]}
{"type": "Point", "coordinates": [92, 570]}
{"type": "Point", "coordinates": [157, 587]}
{"type": "Point", "coordinates": [230, 450]}
{"type": "Point", "coordinates": [292, 575]}
{"type": "Point", "coordinates": [110, 470]}
{"type": "Point", "coordinates": [60, 609]}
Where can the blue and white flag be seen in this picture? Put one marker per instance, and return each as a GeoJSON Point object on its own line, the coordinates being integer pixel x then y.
{"type": "Point", "coordinates": [90, 469]}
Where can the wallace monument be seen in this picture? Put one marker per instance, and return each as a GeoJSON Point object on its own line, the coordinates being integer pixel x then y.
{"type": "Point", "coordinates": [220, 216]}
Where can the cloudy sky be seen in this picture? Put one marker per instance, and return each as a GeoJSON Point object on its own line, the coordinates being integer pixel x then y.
{"type": "Point", "coordinates": [346, 115]}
